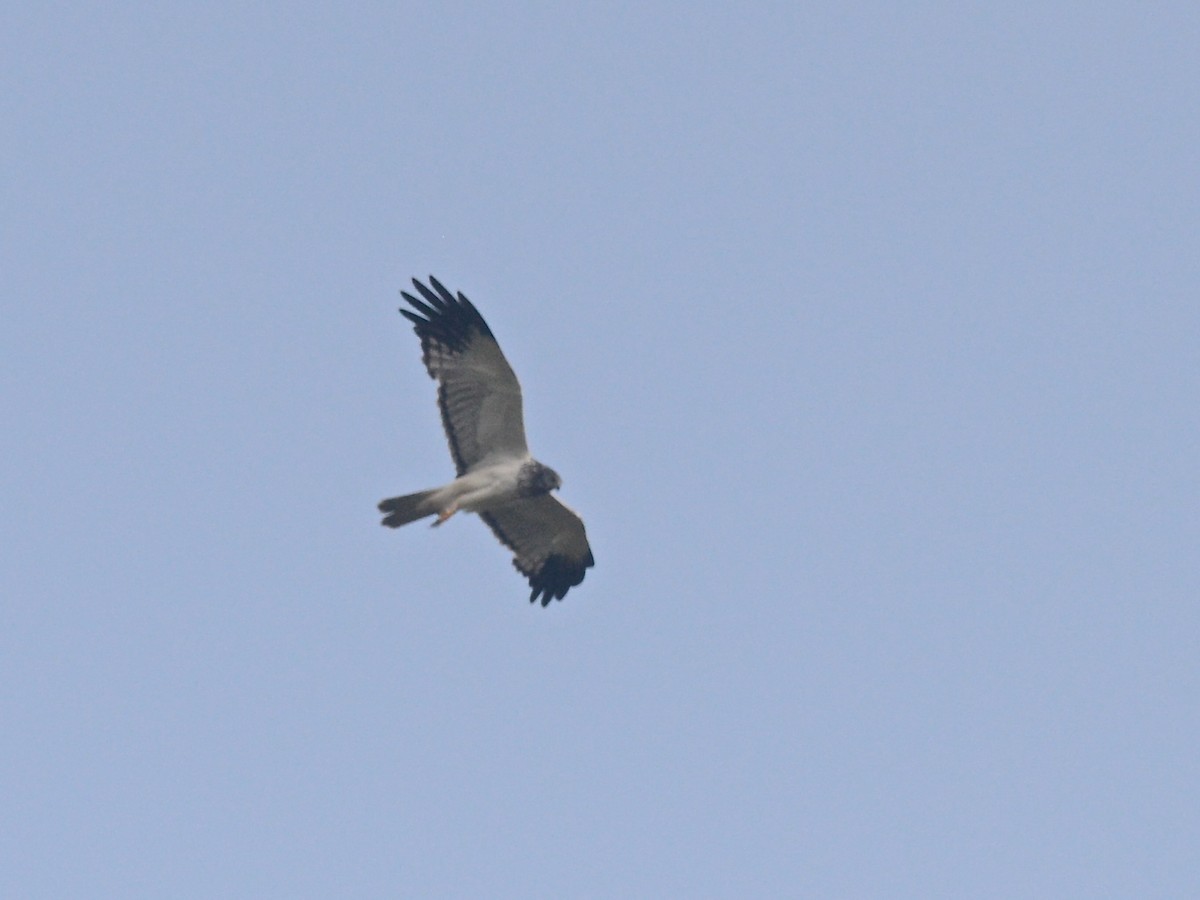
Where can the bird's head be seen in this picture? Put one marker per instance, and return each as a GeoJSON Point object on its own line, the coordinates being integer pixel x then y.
{"type": "Point", "coordinates": [537, 479]}
{"type": "Point", "coordinates": [548, 480]}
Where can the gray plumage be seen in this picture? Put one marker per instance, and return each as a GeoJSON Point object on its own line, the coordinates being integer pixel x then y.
{"type": "Point", "coordinates": [480, 402]}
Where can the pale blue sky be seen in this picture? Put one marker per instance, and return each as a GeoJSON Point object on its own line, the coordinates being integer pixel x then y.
{"type": "Point", "coordinates": [864, 336]}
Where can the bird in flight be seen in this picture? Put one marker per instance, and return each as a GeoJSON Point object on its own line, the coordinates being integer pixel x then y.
{"type": "Point", "coordinates": [480, 401]}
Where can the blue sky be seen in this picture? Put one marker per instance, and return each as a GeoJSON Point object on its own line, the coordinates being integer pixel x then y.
{"type": "Point", "coordinates": [864, 336]}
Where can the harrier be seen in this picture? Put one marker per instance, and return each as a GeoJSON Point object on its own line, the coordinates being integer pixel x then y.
{"type": "Point", "coordinates": [480, 401]}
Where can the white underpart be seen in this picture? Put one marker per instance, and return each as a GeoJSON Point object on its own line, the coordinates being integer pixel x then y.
{"type": "Point", "coordinates": [484, 488]}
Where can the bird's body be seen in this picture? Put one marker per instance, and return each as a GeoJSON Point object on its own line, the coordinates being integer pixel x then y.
{"type": "Point", "coordinates": [480, 400]}
{"type": "Point", "coordinates": [479, 490]}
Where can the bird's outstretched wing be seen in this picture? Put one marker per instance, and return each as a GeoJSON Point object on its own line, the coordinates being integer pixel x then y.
{"type": "Point", "coordinates": [478, 393]}
{"type": "Point", "coordinates": [548, 541]}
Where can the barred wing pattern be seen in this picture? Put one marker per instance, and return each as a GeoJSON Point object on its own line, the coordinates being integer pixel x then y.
{"type": "Point", "coordinates": [478, 392]}
{"type": "Point", "coordinates": [480, 401]}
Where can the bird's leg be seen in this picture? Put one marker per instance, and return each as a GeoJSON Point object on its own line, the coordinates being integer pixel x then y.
{"type": "Point", "coordinates": [445, 514]}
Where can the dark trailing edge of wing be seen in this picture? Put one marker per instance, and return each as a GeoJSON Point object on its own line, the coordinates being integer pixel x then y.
{"type": "Point", "coordinates": [557, 575]}
{"type": "Point", "coordinates": [442, 317]}
{"type": "Point", "coordinates": [450, 322]}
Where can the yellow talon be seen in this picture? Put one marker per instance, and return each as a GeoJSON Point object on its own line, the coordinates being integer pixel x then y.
{"type": "Point", "coordinates": [445, 514]}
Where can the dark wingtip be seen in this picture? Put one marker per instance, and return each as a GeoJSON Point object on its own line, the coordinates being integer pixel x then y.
{"type": "Point", "coordinates": [558, 575]}
{"type": "Point", "coordinates": [439, 315]}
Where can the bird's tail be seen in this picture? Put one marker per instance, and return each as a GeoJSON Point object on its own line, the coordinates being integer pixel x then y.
{"type": "Point", "coordinates": [409, 508]}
